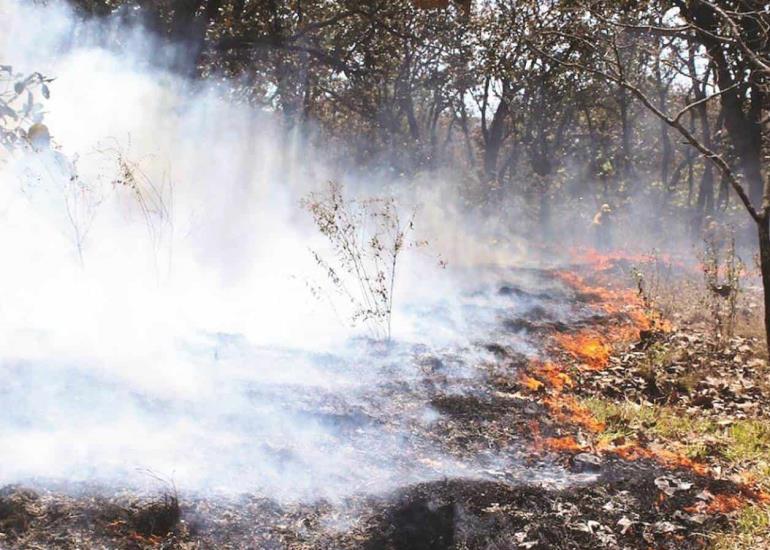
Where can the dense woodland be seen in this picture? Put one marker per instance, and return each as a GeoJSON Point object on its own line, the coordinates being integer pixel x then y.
{"type": "Point", "coordinates": [658, 109]}
{"type": "Point", "coordinates": [547, 404]}
{"type": "Point", "coordinates": [547, 101]}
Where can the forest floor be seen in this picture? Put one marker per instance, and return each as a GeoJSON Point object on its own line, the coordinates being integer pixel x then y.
{"type": "Point", "coordinates": [663, 428]}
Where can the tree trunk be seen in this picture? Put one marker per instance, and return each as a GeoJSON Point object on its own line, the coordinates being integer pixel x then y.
{"type": "Point", "coordinates": [741, 120]}
{"type": "Point", "coordinates": [626, 166]}
{"type": "Point", "coordinates": [463, 118]}
{"type": "Point", "coordinates": [494, 135]}
{"type": "Point", "coordinates": [764, 263]}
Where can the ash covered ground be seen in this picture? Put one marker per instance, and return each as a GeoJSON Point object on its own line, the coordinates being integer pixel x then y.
{"type": "Point", "coordinates": [418, 447]}
{"type": "Point", "coordinates": [167, 381]}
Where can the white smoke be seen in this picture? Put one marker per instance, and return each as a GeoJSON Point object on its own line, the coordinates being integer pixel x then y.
{"type": "Point", "coordinates": [186, 342]}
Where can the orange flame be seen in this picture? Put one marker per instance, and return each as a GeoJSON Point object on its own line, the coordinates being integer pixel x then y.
{"type": "Point", "coordinates": [588, 347]}
{"type": "Point", "coordinates": [562, 444]}
{"type": "Point", "coordinates": [633, 451]}
{"type": "Point", "coordinates": [564, 408]}
{"type": "Point", "coordinates": [531, 383]}
{"type": "Point", "coordinates": [724, 504]}
{"type": "Point", "coordinates": [552, 375]}
{"type": "Point", "coordinates": [604, 261]}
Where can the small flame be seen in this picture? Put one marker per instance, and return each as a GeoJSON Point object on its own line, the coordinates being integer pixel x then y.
{"type": "Point", "coordinates": [593, 349]}
{"type": "Point", "coordinates": [719, 504]}
{"type": "Point", "coordinates": [552, 375]}
{"type": "Point", "coordinates": [633, 451]}
{"type": "Point", "coordinates": [565, 408]}
{"type": "Point", "coordinates": [588, 347]}
{"type": "Point", "coordinates": [605, 261]}
{"type": "Point", "coordinates": [562, 444]}
{"type": "Point", "coordinates": [530, 383]}
{"type": "Point", "coordinates": [724, 504]}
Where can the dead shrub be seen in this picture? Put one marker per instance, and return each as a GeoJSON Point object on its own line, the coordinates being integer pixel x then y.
{"type": "Point", "coordinates": [367, 238]}
{"type": "Point", "coordinates": [722, 269]}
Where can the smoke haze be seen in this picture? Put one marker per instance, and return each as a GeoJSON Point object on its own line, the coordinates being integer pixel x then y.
{"type": "Point", "coordinates": [178, 336]}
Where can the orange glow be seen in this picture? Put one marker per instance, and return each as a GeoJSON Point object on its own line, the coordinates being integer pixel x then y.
{"type": "Point", "coordinates": [724, 504]}
{"type": "Point", "coordinates": [562, 444]}
{"type": "Point", "coordinates": [588, 347]}
{"type": "Point", "coordinates": [577, 283]}
{"type": "Point", "coordinates": [565, 408]}
{"type": "Point", "coordinates": [626, 318]}
{"type": "Point", "coordinates": [611, 300]}
{"type": "Point", "coordinates": [604, 261]}
{"type": "Point", "coordinates": [531, 383]}
{"type": "Point", "coordinates": [632, 451]}
{"type": "Point", "coordinates": [552, 375]}
{"type": "Point", "coordinates": [720, 504]}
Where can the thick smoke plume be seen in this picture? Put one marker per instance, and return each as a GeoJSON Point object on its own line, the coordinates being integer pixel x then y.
{"type": "Point", "coordinates": [154, 312]}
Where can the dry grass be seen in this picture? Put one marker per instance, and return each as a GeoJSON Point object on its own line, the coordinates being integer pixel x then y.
{"type": "Point", "coordinates": [743, 445]}
{"type": "Point", "coordinates": [751, 530]}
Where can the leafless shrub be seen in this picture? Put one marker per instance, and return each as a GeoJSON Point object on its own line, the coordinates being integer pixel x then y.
{"type": "Point", "coordinates": [655, 282]}
{"type": "Point", "coordinates": [367, 238]}
{"type": "Point", "coordinates": [157, 517]}
{"type": "Point", "coordinates": [154, 198]}
{"type": "Point", "coordinates": [722, 269]}
{"type": "Point", "coordinates": [81, 202]}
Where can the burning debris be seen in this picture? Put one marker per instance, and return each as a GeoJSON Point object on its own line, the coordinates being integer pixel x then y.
{"type": "Point", "coordinates": [533, 466]}
{"type": "Point", "coordinates": [588, 347]}
{"type": "Point", "coordinates": [157, 317]}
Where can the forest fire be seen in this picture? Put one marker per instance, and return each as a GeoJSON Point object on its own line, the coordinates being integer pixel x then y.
{"type": "Point", "coordinates": [562, 444]}
{"type": "Point", "coordinates": [591, 349]}
{"type": "Point", "coordinates": [323, 279]}
{"type": "Point", "coordinates": [551, 374]}
{"type": "Point", "coordinates": [588, 347]}
{"type": "Point", "coordinates": [566, 409]}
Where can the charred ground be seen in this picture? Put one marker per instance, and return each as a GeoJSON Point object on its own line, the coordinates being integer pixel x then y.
{"type": "Point", "coordinates": [581, 471]}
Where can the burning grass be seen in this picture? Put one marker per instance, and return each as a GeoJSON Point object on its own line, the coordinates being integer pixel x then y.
{"type": "Point", "coordinates": [653, 482]}
{"type": "Point", "coordinates": [552, 375]}
{"type": "Point", "coordinates": [633, 451]}
{"type": "Point", "coordinates": [532, 384]}
{"type": "Point", "coordinates": [608, 261]}
{"type": "Point", "coordinates": [588, 347]}
{"type": "Point", "coordinates": [567, 410]}
{"type": "Point", "coordinates": [742, 446]}
{"type": "Point", "coordinates": [670, 437]}
{"type": "Point", "coordinates": [566, 443]}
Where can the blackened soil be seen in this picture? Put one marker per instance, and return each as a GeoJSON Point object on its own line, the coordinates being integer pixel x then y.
{"type": "Point", "coordinates": [623, 509]}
